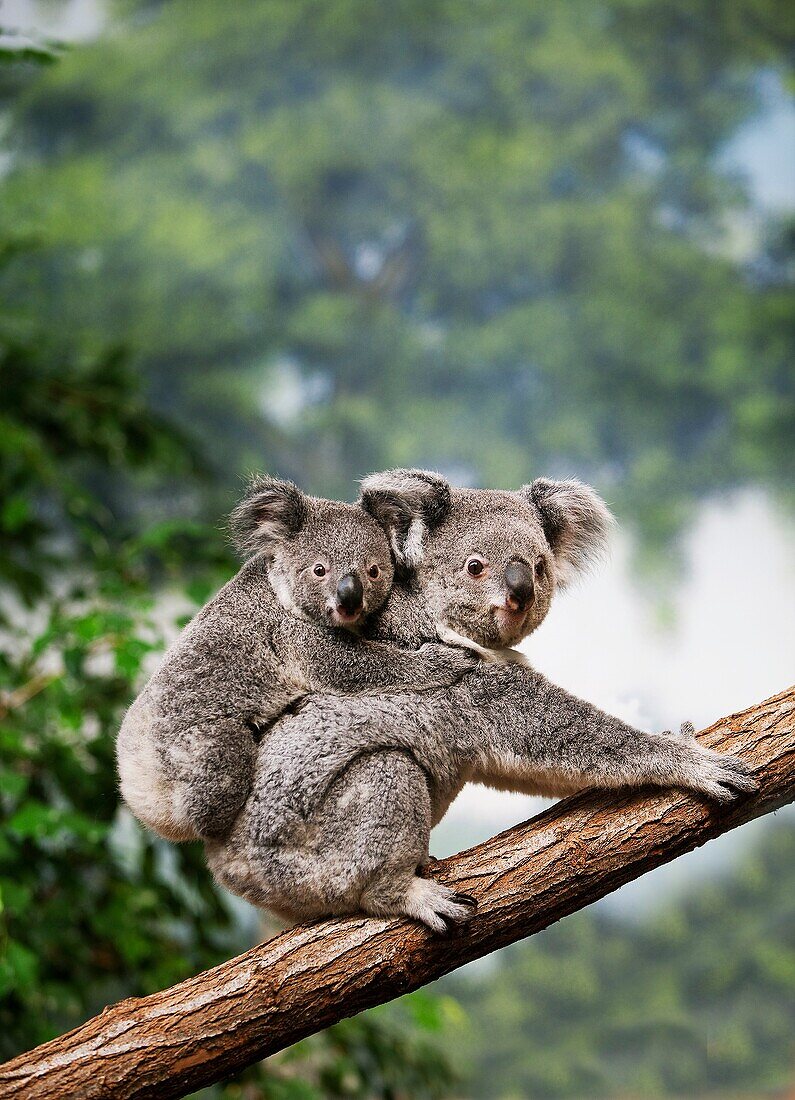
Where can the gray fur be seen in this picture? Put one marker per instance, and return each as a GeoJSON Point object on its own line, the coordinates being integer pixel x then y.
{"type": "Point", "coordinates": [408, 504]}
{"type": "Point", "coordinates": [575, 520]}
{"type": "Point", "coordinates": [345, 792]}
{"type": "Point", "coordinates": [187, 747]}
{"type": "Point", "coordinates": [271, 511]}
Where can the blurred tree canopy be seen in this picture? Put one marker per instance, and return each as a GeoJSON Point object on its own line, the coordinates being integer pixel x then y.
{"type": "Point", "coordinates": [490, 238]}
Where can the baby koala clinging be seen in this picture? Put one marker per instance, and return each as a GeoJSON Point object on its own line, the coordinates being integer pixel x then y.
{"type": "Point", "coordinates": [283, 626]}
{"type": "Point", "coordinates": [326, 561]}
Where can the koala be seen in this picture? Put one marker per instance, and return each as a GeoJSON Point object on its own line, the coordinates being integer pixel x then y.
{"type": "Point", "coordinates": [345, 792]}
{"type": "Point", "coordinates": [286, 624]}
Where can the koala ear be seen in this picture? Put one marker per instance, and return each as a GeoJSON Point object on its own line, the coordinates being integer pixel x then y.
{"type": "Point", "coordinates": [575, 520]}
{"type": "Point", "coordinates": [271, 511]}
{"type": "Point", "coordinates": [408, 504]}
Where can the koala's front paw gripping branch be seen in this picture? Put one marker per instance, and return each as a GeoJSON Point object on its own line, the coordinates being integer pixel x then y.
{"type": "Point", "coordinates": [206, 1028]}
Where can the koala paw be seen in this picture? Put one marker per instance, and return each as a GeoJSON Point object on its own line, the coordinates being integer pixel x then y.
{"type": "Point", "coordinates": [687, 733]}
{"type": "Point", "coordinates": [446, 663]}
{"type": "Point", "coordinates": [719, 775]}
{"type": "Point", "coordinates": [437, 906]}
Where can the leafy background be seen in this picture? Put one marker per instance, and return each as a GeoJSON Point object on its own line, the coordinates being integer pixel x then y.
{"type": "Point", "coordinates": [320, 238]}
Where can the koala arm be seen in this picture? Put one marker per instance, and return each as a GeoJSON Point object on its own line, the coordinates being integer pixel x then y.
{"type": "Point", "coordinates": [535, 737]}
{"type": "Point", "coordinates": [342, 663]}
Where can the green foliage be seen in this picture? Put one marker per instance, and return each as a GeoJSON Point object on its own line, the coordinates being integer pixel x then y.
{"type": "Point", "coordinates": [92, 909]}
{"type": "Point", "coordinates": [697, 1000]}
{"type": "Point", "coordinates": [81, 457]}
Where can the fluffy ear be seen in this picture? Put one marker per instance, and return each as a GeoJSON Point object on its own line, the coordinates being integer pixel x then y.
{"type": "Point", "coordinates": [271, 511]}
{"type": "Point", "coordinates": [407, 504]}
{"type": "Point", "coordinates": [576, 522]}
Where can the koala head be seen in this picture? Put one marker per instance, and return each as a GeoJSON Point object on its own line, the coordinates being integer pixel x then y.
{"type": "Point", "coordinates": [327, 561]}
{"type": "Point", "coordinates": [487, 561]}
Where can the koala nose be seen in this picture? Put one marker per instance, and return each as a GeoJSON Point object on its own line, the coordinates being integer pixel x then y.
{"type": "Point", "coordinates": [519, 585]}
{"type": "Point", "coordinates": [350, 594]}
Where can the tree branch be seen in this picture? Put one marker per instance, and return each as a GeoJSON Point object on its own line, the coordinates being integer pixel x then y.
{"type": "Point", "coordinates": [218, 1022]}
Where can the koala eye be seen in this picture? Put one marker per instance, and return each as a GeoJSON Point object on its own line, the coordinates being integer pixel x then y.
{"type": "Point", "coordinates": [373, 572]}
{"type": "Point", "coordinates": [475, 567]}
{"type": "Point", "coordinates": [540, 569]}
{"type": "Point", "coordinates": [319, 569]}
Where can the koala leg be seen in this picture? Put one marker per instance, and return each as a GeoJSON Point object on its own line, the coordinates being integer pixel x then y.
{"type": "Point", "coordinates": [215, 780]}
{"type": "Point", "coordinates": [377, 819]}
{"type": "Point", "coordinates": [392, 832]}
{"type": "Point", "coordinates": [547, 741]}
{"type": "Point", "coordinates": [359, 851]}
{"type": "Point", "coordinates": [185, 784]}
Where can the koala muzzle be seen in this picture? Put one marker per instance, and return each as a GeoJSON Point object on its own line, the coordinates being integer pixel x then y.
{"type": "Point", "coordinates": [519, 586]}
{"type": "Point", "coordinates": [350, 594]}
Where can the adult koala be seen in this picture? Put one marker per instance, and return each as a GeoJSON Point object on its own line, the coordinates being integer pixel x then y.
{"type": "Point", "coordinates": [346, 792]}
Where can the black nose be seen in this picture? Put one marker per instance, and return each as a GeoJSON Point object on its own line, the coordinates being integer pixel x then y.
{"type": "Point", "coordinates": [519, 585]}
{"type": "Point", "coordinates": [350, 594]}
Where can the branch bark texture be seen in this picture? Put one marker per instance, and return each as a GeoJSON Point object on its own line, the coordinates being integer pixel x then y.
{"type": "Point", "coordinates": [213, 1025]}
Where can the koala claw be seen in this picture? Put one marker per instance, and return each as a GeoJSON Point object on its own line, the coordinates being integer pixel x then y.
{"type": "Point", "coordinates": [437, 906]}
{"type": "Point", "coordinates": [449, 929]}
{"type": "Point", "coordinates": [716, 774]}
{"type": "Point", "coordinates": [465, 899]}
{"type": "Point", "coordinates": [452, 927]}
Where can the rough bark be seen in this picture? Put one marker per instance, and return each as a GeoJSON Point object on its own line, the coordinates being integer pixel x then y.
{"type": "Point", "coordinates": [212, 1025]}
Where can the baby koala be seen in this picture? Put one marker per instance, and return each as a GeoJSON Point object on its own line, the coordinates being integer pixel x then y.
{"type": "Point", "coordinates": [283, 626]}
